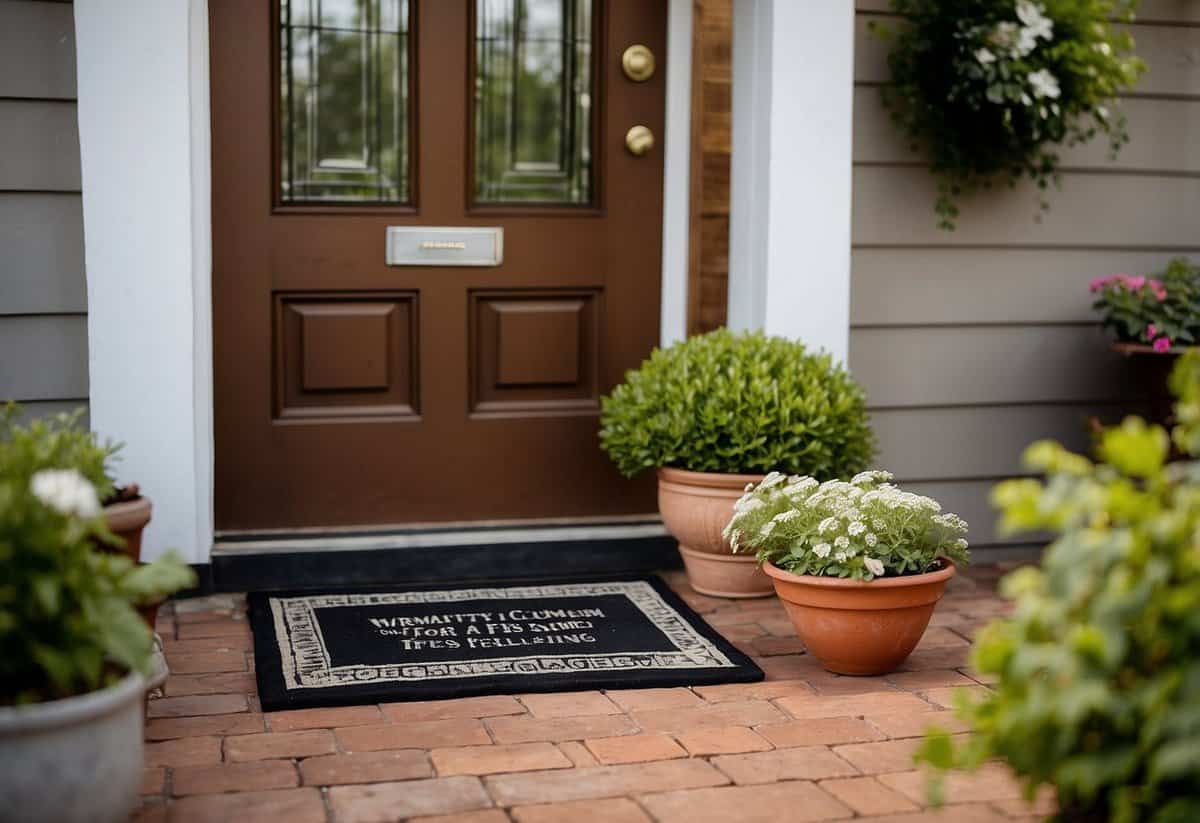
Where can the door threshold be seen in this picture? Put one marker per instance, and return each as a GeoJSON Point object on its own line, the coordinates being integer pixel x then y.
{"type": "Point", "coordinates": [437, 535]}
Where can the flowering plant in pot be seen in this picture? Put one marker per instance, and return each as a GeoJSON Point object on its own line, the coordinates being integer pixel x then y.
{"type": "Point", "coordinates": [713, 414]}
{"type": "Point", "coordinates": [1154, 318]}
{"type": "Point", "coordinates": [859, 565]}
{"type": "Point", "coordinates": [73, 649]}
{"type": "Point", "coordinates": [1096, 673]}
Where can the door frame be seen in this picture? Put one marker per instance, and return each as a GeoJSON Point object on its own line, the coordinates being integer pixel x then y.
{"type": "Point", "coordinates": [160, 186]}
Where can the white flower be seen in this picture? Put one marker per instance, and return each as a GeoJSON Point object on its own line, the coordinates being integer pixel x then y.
{"type": "Point", "coordinates": [1102, 112]}
{"type": "Point", "coordinates": [1044, 84]}
{"type": "Point", "coordinates": [772, 479]}
{"type": "Point", "coordinates": [960, 543]}
{"type": "Point", "coordinates": [1033, 15]}
{"type": "Point", "coordinates": [984, 56]}
{"type": "Point", "coordinates": [1005, 35]}
{"type": "Point", "coordinates": [1026, 100]}
{"type": "Point", "coordinates": [856, 528]}
{"type": "Point", "coordinates": [827, 525]}
{"type": "Point", "coordinates": [874, 566]}
{"type": "Point", "coordinates": [749, 486]}
{"type": "Point", "coordinates": [748, 504]}
{"type": "Point", "coordinates": [767, 528]}
{"type": "Point", "coordinates": [871, 539]}
{"type": "Point", "coordinates": [66, 491]}
{"type": "Point", "coordinates": [1103, 48]}
{"type": "Point", "coordinates": [822, 549]}
{"type": "Point", "coordinates": [783, 517]}
{"type": "Point", "coordinates": [878, 524]}
{"type": "Point", "coordinates": [842, 541]}
{"type": "Point", "coordinates": [840, 557]}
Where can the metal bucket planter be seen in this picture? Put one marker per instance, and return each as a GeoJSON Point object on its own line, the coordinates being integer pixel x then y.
{"type": "Point", "coordinates": [77, 760]}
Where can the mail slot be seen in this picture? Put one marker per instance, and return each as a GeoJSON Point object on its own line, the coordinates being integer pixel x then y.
{"type": "Point", "coordinates": [445, 246]}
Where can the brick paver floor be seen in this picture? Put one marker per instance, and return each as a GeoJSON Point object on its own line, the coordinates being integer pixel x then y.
{"type": "Point", "coordinates": [802, 745]}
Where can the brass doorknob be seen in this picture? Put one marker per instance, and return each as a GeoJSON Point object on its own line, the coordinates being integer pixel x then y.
{"type": "Point", "coordinates": [638, 63]}
{"type": "Point", "coordinates": [639, 140]}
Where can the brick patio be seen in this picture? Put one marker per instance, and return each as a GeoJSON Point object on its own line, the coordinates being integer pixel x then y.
{"type": "Point", "coordinates": [803, 745]}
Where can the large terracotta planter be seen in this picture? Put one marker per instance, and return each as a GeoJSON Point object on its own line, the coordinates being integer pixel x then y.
{"type": "Point", "coordinates": [860, 628]}
{"type": "Point", "coordinates": [696, 507]}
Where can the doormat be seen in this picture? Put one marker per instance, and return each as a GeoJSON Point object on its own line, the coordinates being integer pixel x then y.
{"type": "Point", "coordinates": [367, 646]}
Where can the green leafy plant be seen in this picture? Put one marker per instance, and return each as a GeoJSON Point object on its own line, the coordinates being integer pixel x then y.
{"type": "Point", "coordinates": [992, 88]}
{"type": "Point", "coordinates": [861, 529]}
{"type": "Point", "coordinates": [67, 618]}
{"type": "Point", "coordinates": [1162, 310]}
{"type": "Point", "coordinates": [738, 403]}
{"type": "Point", "coordinates": [1097, 671]}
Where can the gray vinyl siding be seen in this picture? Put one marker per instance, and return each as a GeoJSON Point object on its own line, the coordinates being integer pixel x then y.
{"type": "Point", "coordinates": [974, 343]}
{"type": "Point", "coordinates": [43, 293]}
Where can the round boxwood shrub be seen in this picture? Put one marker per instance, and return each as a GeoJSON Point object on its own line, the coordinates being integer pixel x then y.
{"type": "Point", "coordinates": [738, 403]}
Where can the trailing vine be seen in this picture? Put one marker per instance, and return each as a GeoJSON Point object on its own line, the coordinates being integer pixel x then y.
{"type": "Point", "coordinates": [993, 88]}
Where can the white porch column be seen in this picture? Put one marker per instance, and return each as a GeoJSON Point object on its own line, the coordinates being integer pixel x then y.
{"type": "Point", "coordinates": [144, 141]}
{"type": "Point", "coordinates": [789, 243]}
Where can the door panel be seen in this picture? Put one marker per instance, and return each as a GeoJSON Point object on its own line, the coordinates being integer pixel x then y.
{"type": "Point", "coordinates": [351, 392]}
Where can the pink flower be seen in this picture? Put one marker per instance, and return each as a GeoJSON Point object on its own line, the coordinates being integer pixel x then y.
{"type": "Point", "coordinates": [1100, 282]}
{"type": "Point", "coordinates": [1160, 291]}
{"type": "Point", "coordinates": [1151, 331]}
{"type": "Point", "coordinates": [1135, 283]}
{"type": "Point", "coordinates": [1162, 344]}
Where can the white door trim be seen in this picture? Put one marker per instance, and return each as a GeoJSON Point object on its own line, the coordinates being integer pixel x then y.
{"type": "Point", "coordinates": [144, 130]}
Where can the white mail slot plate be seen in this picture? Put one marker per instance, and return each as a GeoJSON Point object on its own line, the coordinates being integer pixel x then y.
{"type": "Point", "coordinates": [445, 246]}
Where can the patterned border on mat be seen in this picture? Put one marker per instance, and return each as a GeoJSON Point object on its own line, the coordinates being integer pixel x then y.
{"type": "Point", "coordinates": [306, 662]}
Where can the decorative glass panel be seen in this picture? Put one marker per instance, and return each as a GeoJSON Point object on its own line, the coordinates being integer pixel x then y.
{"type": "Point", "coordinates": [533, 99]}
{"type": "Point", "coordinates": [344, 101]}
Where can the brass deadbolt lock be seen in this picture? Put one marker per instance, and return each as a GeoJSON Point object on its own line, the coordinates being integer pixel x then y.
{"type": "Point", "coordinates": [638, 63]}
{"type": "Point", "coordinates": [639, 140]}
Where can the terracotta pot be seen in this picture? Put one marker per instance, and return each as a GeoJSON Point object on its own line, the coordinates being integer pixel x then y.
{"type": "Point", "coordinates": [860, 628]}
{"type": "Point", "coordinates": [127, 520]}
{"type": "Point", "coordinates": [696, 507]}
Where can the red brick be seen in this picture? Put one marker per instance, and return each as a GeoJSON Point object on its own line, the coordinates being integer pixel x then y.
{"type": "Point", "coordinates": [615, 810]}
{"type": "Point", "coordinates": [189, 751]}
{"type": "Point", "coordinates": [991, 783]}
{"type": "Point", "coordinates": [914, 724]}
{"type": "Point", "coordinates": [794, 802]}
{"type": "Point", "coordinates": [527, 729]}
{"type": "Point", "coordinates": [220, 643]}
{"type": "Point", "coordinates": [497, 759]}
{"type": "Point", "coordinates": [219, 683]}
{"type": "Point", "coordinates": [929, 679]}
{"type": "Point", "coordinates": [323, 718]}
{"type": "Point", "coordinates": [577, 753]}
{"type": "Point", "coordinates": [568, 704]}
{"type": "Point", "coordinates": [480, 816]}
{"type": "Point", "coordinates": [742, 632]}
{"type": "Point", "coordinates": [881, 756]}
{"type": "Point", "coordinates": [279, 744]}
{"type": "Point", "coordinates": [964, 813]}
{"type": "Point", "coordinates": [427, 734]}
{"type": "Point", "coordinates": [234, 777]}
{"type": "Point", "coordinates": [464, 707]}
{"type": "Point", "coordinates": [788, 666]}
{"type": "Point", "coordinates": [801, 763]}
{"type": "Point", "coordinates": [219, 724]}
{"type": "Point", "coordinates": [637, 700]}
{"type": "Point", "coordinates": [637, 748]}
{"type": "Point", "coordinates": [216, 628]}
{"type": "Point", "coordinates": [722, 740]}
{"type": "Point", "coordinates": [946, 698]}
{"type": "Point", "coordinates": [938, 657]}
{"type": "Point", "coordinates": [937, 637]}
{"type": "Point", "coordinates": [824, 682]}
{"type": "Point", "coordinates": [153, 780]}
{"type": "Point", "coordinates": [744, 713]}
{"type": "Point", "coordinates": [379, 802]}
{"type": "Point", "coordinates": [532, 788]}
{"type": "Point", "coordinates": [819, 731]}
{"type": "Point", "coordinates": [856, 705]}
{"type": "Point", "coordinates": [866, 795]}
{"type": "Point", "coordinates": [364, 767]}
{"type": "Point", "coordinates": [207, 662]}
{"type": "Point", "coordinates": [766, 690]}
{"type": "Point", "coordinates": [772, 646]}
{"type": "Point", "coordinates": [196, 705]}
{"type": "Point", "coordinates": [292, 805]}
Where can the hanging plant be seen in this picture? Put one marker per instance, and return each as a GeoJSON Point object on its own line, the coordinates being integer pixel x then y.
{"type": "Point", "coordinates": [993, 88]}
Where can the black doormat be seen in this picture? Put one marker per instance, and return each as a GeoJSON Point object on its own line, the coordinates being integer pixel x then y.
{"type": "Point", "coordinates": [367, 646]}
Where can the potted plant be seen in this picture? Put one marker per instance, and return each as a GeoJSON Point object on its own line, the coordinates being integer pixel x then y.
{"type": "Point", "coordinates": [73, 649]}
{"type": "Point", "coordinates": [1154, 319]}
{"type": "Point", "coordinates": [859, 565]}
{"type": "Point", "coordinates": [716, 412]}
{"type": "Point", "coordinates": [1096, 674]}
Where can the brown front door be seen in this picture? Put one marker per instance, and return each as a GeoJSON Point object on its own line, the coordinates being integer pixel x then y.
{"type": "Point", "coordinates": [460, 380]}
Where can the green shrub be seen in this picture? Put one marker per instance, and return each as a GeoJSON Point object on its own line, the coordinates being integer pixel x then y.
{"type": "Point", "coordinates": [1097, 671]}
{"type": "Point", "coordinates": [861, 529]}
{"type": "Point", "coordinates": [67, 619]}
{"type": "Point", "coordinates": [738, 403]}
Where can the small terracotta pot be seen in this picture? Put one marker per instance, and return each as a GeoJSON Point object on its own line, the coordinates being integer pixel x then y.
{"type": "Point", "coordinates": [127, 520]}
{"type": "Point", "coordinates": [860, 628]}
{"type": "Point", "coordinates": [696, 507]}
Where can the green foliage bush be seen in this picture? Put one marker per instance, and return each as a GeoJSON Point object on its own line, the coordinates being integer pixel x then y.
{"type": "Point", "coordinates": [1098, 669]}
{"type": "Point", "coordinates": [738, 403]}
{"type": "Point", "coordinates": [992, 87]}
{"type": "Point", "coordinates": [67, 619]}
